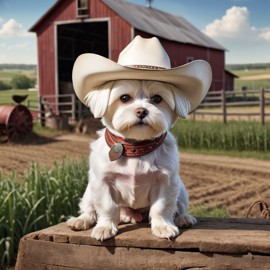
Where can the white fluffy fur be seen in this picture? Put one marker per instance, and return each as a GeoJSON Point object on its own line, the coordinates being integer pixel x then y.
{"type": "Point", "coordinates": [148, 183]}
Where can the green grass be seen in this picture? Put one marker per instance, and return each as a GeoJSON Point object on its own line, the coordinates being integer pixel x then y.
{"type": "Point", "coordinates": [8, 74]}
{"type": "Point", "coordinates": [46, 197]}
{"type": "Point", "coordinates": [6, 96]}
{"type": "Point", "coordinates": [252, 84]}
{"type": "Point", "coordinates": [202, 211]}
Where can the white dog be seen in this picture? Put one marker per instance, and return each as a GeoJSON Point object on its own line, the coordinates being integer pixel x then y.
{"type": "Point", "coordinates": [139, 111]}
{"type": "Point", "coordinates": [134, 165]}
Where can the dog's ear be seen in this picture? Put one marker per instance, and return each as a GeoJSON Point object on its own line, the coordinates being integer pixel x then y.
{"type": "Point", "coordinates": [97, 99]}
{"type": "Point", "coordinates": [182, 104]}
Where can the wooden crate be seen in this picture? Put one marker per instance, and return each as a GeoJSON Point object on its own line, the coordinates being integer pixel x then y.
{"type": "Point", "coordinates": [211, 244]}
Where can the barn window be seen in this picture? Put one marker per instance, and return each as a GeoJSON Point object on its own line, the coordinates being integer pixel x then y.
{"type": "Point", "coordinates": [190, 59]}
{"type": "Point", "coordinates": [82, 8]}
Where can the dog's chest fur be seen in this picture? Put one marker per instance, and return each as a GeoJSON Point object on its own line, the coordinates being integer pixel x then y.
{"type": "Point", "coordinates": [133, 183]}
{"type": "Point", "coordinates": [132, 180]}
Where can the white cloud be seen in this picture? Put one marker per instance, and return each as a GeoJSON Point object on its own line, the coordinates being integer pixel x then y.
{"type": "Point", "coordinates": [234, 24]}
{"type": "Point", "coordinates": [245, 43]}
{"type": "Point", "coordinates": [18, 50]}
{"type": "Point", "coordinates": [265, 34]}
{"type": "Point", "coordinates": [16, 44]}
{"type": "Point", "coordinates": [12, 29]}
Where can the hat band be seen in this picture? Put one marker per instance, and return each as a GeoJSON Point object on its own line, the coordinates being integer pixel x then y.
{"type": "Point", "coordinates": [148, 67]}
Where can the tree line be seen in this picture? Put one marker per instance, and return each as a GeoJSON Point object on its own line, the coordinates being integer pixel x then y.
{"type": "Point", "coordinates": [18, 81]}
{"type": "Point", "coordinates": [248, 66]}
{"type": "Point", "coordinates": [17, 66]}
{"type": "Point", "coordinates": [229, 66]}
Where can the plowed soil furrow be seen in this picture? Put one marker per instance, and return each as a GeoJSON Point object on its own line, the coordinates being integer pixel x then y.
{"type": "Point", "coordinates": [213, 181]}
{"type": "Point", "coordinates": [233, 183]}
{"type": "Point", "coordinates": [17, 158]}
{"type": "Point", "coordinates": [216, 190]}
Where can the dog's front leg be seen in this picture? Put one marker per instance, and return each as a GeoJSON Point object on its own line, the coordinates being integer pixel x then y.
{"type": "Point", "coordinates": [163, 199]}
{"type": "Point", "coordinates": [87, 216]}
{"type": "Point", "coordinates": [108, 212]}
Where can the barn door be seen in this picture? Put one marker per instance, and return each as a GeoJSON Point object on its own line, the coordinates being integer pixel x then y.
{"type": "Point", "coordinates": [74, 39]}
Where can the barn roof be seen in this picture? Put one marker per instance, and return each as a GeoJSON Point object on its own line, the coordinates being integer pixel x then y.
{"type": "Point", "coordinates": [44, 17]}
{"type": "Point", "coordinates": [162, 24]}
{"type": "Point", "coordinates": [152, 21]}
{"type": "Point", "coordinates": [231, 74]}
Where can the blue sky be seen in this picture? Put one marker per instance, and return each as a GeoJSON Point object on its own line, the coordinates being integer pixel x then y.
{"type": "Point", "coordinates": [241, 26]}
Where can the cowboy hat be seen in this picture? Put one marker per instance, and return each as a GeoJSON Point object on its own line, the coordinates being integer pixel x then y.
{"type": "Point", "coordinates": [142, 59]}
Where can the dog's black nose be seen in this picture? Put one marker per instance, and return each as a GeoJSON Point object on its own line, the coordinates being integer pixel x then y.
{"type": "Point", "coordinates": [141, 112]}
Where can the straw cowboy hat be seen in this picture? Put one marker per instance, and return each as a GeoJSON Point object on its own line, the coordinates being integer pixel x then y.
{"type": "Point", "coordinates": [142, 59]}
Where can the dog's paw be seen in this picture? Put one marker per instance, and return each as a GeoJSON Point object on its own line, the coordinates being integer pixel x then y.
{"type": "Point", "coordinates": [102, 232]}
{"type": "Point", "coordinates": [184, 221]}
{"type": "Point", "coordinates": [81, 223]}
{"type": "Point", "coordinates": [165, 231]}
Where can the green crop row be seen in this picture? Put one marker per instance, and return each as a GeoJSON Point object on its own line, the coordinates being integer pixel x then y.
{"type": "Point", "coordinates": [47, 197]}
{"type": "Point", "coordinates": [234, 136]}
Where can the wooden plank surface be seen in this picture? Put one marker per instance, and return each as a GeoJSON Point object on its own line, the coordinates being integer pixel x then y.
{"type": "Point", "coordinates": [209, 235]}
{"type": "Point", "coordinates": [38, 255]}
{"type": "Point", "coordinates": [211, 244]}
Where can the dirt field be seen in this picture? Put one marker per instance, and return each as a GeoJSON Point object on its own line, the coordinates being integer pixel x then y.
{"type": "Point", "coordinates": [255, 77]}
{"type": "Point", "coordinates": [212, 181]}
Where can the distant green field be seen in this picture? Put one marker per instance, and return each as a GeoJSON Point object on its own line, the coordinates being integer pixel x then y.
{"type": "Point", "coordinates": [251, 84]}
{"type": "Point", "coordinates": [251, 72]}
{"type": "Point", "coordinates": [6, 97]}
{"type": "Point", "coordinates": [8, 74]}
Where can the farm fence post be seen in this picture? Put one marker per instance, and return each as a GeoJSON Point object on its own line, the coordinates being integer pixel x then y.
{"type": "Point", "coordinates": [262, 106]}
{"type": "Point", "coordinates": [79, 109]}
{"type": "Point", "coordinates": [223, 104]}
{"type": "Point", "coordinates": [73, 106]}
{"type": "Point", "coordinates": [41, 111]}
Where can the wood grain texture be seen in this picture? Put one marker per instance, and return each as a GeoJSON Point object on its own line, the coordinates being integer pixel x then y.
{"type": "Point", "coordinates": [211, 244]}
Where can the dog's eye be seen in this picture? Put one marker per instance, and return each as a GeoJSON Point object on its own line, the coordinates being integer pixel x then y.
{"type": "Point", "coordinates": [156, 99]}
{"type": "Point", "coordinates": [125, 98]}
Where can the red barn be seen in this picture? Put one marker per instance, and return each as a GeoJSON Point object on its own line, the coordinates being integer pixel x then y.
{"type": "Point", "coordinates": [105, 27]}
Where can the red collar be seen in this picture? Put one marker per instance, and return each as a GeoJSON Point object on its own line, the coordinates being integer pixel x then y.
{"type": "Point", "coordinates": [121, 147]}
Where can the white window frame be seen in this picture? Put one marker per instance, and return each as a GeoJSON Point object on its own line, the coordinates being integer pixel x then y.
{"type": "Point", "coordinates": [82, 7]}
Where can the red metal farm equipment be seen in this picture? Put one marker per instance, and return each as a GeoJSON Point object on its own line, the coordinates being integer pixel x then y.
{"type": "Point", "coordinates": [16, 121]}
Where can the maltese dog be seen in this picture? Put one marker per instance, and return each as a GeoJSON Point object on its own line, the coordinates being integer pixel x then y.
{"type": "Point", "coordinates": [134, 164]}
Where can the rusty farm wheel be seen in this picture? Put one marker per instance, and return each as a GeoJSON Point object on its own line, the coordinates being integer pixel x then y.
{"type": "Point", "coordinates": [19, 123]}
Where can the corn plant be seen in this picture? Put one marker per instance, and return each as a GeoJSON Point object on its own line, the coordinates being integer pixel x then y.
{"type": "Point", "coordinates": [236, 136]}
{"type": "Point", "coordinates": [45, 198]}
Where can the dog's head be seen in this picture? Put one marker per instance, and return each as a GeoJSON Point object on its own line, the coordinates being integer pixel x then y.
{"type": "Point", "coordinates": [139, 110]}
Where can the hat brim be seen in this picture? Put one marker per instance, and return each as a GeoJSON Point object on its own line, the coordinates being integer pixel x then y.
{"type": "Point", "coordinates": [91, 71]}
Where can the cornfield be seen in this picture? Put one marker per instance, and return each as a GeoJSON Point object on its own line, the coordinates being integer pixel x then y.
{"type": "Point", "coordinates": [47, 197]}
{"type": "Point", "coordinates": [235, 136]}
